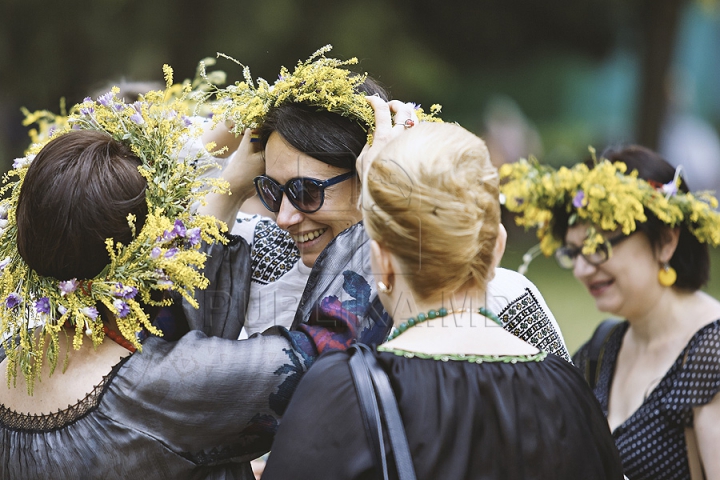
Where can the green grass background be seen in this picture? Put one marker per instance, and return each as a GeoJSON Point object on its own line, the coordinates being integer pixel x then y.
{"type": "Point", "coordinates": [571, 304]}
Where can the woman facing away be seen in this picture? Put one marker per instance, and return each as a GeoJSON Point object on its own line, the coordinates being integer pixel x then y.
{"type": "Point", "coordinates": [638, 241]}
{"type": "Point", "coordinates": [476, 401]}
{"type": "Point", "coordinates": [312, 263]}
{"type": "Point", "coordinates": [97, 235]}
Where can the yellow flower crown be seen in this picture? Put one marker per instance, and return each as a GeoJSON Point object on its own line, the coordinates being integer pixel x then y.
{"type": "Point", "coordinates": [192, 93]}
{"type": "Point", "coordinates": [319, 82]}
{"type": "Point", "coordinates": [163, 256]}
{"type": "Point", "coordinates": [606, 197]}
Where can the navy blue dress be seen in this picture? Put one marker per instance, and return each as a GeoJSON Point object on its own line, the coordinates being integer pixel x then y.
{"type": "Point", "coordinates": [652, 441]}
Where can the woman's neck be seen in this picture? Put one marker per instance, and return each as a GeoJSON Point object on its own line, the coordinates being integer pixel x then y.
{"type": "Point", "coordinates": [463, 330]}
{"type": "Point", "coordinates": [675, 315]}
{"type": "Point", "coordinates": [407, 304]}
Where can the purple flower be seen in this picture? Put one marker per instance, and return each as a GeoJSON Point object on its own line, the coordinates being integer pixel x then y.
{"type": "Point", "coordinates": [76, 127]}
{"type": "Point", "coordinates": [155, 252]}
{"type": "Point", "coordinates": [125, 292]}
{"type": "Point", "coordinates": [579, 199]}
{"type": "Point", "coordinates": [106, 99]}
{"type": "Point", "coordinates": [13, 300]}
{"type": "Point", "coordinates": [137, 118]}
{"type": "Point", "coordinates": [21, 162]}
{"type": "Point", "coordinates": [43, 305]}
{"type": "Point", "coordinates": [193, 236]}
{"type": "Point", "coordinates": [669, 188]}
{"type": "Point", "coordinates": [91, 312]}
{"type": "Point", "coordinates": [122, 308]}
{"type": "Point", "coordinates": [167, 236]}
{"type": "Point", "coordinates": [62, 310]}
{"type": "Point", "coordinates": [119, 107]}
{"type": "Point", "coordinates": [187, 120]}
{"type": "Point", "coordinates": [179, 228]}
{"type": "Point", "coordinates": [68, 286]}
{"type": "Point", "coordinates": [87, 99]}
{"type": "Point", "coordinates": [171, 253]}
{"type": "Point", "coordinates": [163, 279]}
{"type": "Point", "coordinates": [4, 263]}
{"type": "Point", "coordinates": [87, 110]}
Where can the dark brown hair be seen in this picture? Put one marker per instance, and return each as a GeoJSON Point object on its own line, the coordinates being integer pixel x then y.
{"type": "Point", "coordinates": [325, 136]}
{"type": "Point", "coordinates": [78, 192]}
{"type": "Point", "coordinates": [691, 259]}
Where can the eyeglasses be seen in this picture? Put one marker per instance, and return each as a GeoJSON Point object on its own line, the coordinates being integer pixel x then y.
{"type": "Point", "coordinates": [305, 194]}
{"type": "Point", "coordinates": [566, 254]}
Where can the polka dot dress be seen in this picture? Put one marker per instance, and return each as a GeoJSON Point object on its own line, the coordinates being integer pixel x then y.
{"type": "Point", "coordinates": [652, 441]}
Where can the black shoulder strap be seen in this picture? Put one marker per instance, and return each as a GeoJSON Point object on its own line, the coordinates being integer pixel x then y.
{"type": "Point", "coordinates": [364, 364]}
{"type": "Point", "coordinates": [368, 407]}
{"type": "Point", "coordinates": [595, 348]}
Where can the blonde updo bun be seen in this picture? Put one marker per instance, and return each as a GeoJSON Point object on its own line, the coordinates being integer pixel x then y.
{"type": "Point", "coordinates": [430, 197]}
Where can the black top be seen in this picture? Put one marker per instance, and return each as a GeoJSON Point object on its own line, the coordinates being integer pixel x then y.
{"type": "Point", "coordinates": [651, 441]}
{"type": "Point", "coordinates": [532, 419]}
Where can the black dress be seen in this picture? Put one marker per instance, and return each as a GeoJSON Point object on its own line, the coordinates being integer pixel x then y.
{"type": "Point", "coordinates": [652, 441]}
{"type": "Point", "coordinates": [505, 418]}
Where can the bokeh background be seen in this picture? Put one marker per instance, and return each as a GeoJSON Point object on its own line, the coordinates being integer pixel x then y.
{"type": "Point", "coordinates": [547, 78]}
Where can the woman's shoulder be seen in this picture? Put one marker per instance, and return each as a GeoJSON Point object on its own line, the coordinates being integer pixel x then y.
{"type": "Point", "coordinates": [706, 341]}
{"type": "Point", "coordinates": [698, 376]}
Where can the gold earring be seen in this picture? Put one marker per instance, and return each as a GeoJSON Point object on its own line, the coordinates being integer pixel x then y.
{"type": "Point", "coordinates": [667, 275]}
{"type": "Point", "coordinates": [382, 288]}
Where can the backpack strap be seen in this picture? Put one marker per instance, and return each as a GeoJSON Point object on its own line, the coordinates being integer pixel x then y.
{"type": "Point", "coordinates": [596, 346]}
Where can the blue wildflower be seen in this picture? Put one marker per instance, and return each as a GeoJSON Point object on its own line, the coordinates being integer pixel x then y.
{"type": "Point", "coordinates": [179, 228]}
{"type": "Point", "coordinates": [43, 305]}
{"type": "Point", "coordinates": [13, 300]}
{"type": "Point", "coordinates": [193, 236]}
{"type": "Point", "coordinates": [137, 118]}
{"type": "Point", "coordinates": [68, 286]}
{"type": "Point", "coordinates": [105, 100]}
{"type": "Point", "coordinates": [122, 308]}
{"type": "Point", "coordinates": [91, 312]}
{"type": "Point", "coordinates": [579, 199]}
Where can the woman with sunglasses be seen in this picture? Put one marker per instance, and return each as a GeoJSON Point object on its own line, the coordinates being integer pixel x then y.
{"type": "Point", "coordinates": [475, 401]}
{"type": "Point", "coordinates": [638, 241]}
{"type": "Point", "coordinates": [311, 264]}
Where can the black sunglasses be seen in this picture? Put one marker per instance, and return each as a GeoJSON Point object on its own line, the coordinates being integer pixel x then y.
{"type": "Point", "coordinates": [566, 254]}
{"type": "Point", "coordinates": [305, 194]}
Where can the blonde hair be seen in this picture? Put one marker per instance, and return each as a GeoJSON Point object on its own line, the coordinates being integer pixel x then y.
{"type": "Point", "coordinates": [430, 197]}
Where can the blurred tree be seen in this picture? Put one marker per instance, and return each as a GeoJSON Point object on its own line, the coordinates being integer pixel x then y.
{"type": "Point", "coordinates": [420, 49]}
{"type": "Point", "coordinates": [659, 20]}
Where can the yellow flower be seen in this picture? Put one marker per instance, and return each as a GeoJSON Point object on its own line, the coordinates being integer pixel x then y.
{"type": "Point", "coordinates": [611, 198]}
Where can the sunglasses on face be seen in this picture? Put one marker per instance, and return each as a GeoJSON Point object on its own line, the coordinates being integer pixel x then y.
{"type": "Point", "coordinates": [566, 255]}
{"type": "Point", "coordinates": [305, 194]}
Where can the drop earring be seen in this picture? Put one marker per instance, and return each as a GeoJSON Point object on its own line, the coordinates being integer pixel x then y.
{"type": "Point", "coordinates": [667, 275]}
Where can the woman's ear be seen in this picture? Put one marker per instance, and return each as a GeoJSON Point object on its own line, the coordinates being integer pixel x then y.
{"type": "Point", "coordinates": [499, 249]}
{"type": "Point", "coordinates": [669, 242]}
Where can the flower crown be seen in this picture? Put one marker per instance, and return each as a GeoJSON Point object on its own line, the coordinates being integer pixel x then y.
{"type": "Point", "coordinates": [605, 196]}
{"type": "Point", "coordinates": [319, 82]}
{"type": "Point", "coordinates": [163, 255]}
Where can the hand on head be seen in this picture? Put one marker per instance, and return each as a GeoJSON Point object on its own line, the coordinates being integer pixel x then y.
{"type": "Point", "coordinates": [391, 119]}
{"type": "Point", "coordinates": [245, 164]}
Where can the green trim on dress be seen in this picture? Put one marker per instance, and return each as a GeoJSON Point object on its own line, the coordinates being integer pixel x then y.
{"type": "Point", "coordinates": [462, 357]}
